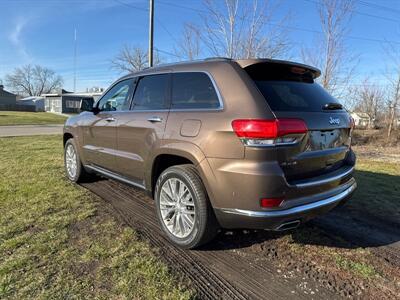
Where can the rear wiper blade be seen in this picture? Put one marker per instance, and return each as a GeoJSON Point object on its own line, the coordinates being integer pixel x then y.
{"type": "Point", "coordinates": [332, 106]}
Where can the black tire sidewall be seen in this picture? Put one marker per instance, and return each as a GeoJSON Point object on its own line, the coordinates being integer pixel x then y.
{"type": "Point", "coordinates": [198, 198]}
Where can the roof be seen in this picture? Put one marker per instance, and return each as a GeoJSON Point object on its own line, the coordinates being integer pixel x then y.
{"type": "Point", "coordinates": [5, 93]}
{"type": "Point", "coordinates": [208, 62]}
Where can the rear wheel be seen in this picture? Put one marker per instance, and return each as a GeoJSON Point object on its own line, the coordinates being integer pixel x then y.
{"type": "Point", "coordinates": [183, 208]}
{"type": "Point", "coordinates": [73, 165]}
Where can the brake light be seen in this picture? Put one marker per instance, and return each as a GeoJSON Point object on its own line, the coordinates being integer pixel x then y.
{"type": "Point", "coordinates": [270, 202]}
{"type": "Point", "coordinates": [268, 132]}
{"type": "Point", "coordinates": [352, 123]}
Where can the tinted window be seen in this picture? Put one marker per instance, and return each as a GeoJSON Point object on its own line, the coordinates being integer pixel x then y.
{"type": "Point", "coordinates": [193, 90]}
{"type": "Point", "coordinates": [294, 96]}
{"type": "Point", "coordinates": [117, 98]}
{"type": "Point", "coordinates": [288, 88]}
{"type": "Point", "coordinates": [150, 92]}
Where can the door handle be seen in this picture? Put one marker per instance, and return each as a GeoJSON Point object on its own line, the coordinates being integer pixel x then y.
{"type": "Point", "coordinates": [154, 119]}
{"type": "Point", "coordinates": [111, 119]}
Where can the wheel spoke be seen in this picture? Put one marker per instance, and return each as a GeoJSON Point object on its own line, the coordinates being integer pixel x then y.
{"type": "Point", "coordinates": [177, 207]}
{"type": "Point", "coordinates": [71, 161]}
{"type": "Point", "coordinates": [188, 221]}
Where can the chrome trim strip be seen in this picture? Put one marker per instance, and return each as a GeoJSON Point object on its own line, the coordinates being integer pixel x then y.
{"type": "Point", "coordinates": [139, 74]}
{"type": "Point", "coordinates": [293, 210]}
{"type": "Point", "coordinates": [114, 176]}
{"type": "Point", "coordinates": [325, 180]}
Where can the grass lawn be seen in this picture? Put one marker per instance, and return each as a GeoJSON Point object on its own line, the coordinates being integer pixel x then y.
{"type": "Point", "coordinates": [57, 241]}
{"type": "Point", "coordinates": [29, 118]}
{"type": "Point", "coordinates": [378, 193]}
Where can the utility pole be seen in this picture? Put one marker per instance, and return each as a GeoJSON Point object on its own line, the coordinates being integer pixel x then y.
{"type": "Point", "coordinates": [151, 32]}
{"type": "Point", "coordinates": [75, 61]}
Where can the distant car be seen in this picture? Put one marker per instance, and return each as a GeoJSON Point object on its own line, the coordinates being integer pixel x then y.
{"type": "Point", "coordinates": [219, 143]}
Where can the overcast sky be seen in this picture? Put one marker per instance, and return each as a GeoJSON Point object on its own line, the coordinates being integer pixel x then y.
{"type": "Point", "coordinates": [42, 32]}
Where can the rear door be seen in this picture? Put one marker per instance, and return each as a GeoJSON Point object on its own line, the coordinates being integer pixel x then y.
{"type": "Point", "coordinates": [100, 135]}
{"type": "Point", "coordinates": [141, 129]}
{"type": "Point", "coordinates": [292, 93]}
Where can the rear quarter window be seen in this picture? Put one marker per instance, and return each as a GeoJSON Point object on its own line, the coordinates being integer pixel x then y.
{"type": "Point", "coordinates": [193, 90]}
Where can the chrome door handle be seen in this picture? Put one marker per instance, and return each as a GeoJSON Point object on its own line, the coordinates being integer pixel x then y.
{"type": "Point", "coordinates": [154, 119]}
{"type": "Point", "coordinates": [110, 119]}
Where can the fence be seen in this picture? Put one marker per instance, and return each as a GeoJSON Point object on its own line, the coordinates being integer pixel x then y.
{"type": "Point", "coordinates": [17, 107]}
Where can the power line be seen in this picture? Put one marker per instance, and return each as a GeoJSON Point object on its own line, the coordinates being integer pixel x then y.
{"type": "Point", "coordinates": [362, 13]}
{"type": "Point", "coordinates": [166, 52]}
{"type": "Point", "coordinates": [146, 10]}
{"type": "Point", "coordinates": [292, 27]}
{"type": "Point", "coordinates": [385, 8]}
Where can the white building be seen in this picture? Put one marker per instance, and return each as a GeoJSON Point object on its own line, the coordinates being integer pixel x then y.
{"type": "Point", "coordinates": [37, 102]}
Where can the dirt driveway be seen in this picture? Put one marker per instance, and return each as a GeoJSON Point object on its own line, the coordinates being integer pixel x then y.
{"type": "Point", "coordinates": [258, 264]}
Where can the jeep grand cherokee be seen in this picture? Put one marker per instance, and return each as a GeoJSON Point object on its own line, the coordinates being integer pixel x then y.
{"type": "Point", "coordinates": [219, 143]}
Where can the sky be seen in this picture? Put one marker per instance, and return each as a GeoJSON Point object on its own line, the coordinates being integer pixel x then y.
{"type": "Point", "coordinates": [42, 32]}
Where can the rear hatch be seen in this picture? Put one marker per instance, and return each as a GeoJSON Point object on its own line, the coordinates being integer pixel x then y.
{"type": "Point", "coordinates": [292, 93]}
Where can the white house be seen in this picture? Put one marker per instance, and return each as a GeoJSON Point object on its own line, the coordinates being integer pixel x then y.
{"type": "Point", "coordinates": [361, 119]}
{"type": "Point", "coordinates": [37, 102]}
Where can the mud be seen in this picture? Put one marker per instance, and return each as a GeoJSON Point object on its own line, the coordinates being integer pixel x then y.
{"type": "Point", "coordinates": [245, 264]}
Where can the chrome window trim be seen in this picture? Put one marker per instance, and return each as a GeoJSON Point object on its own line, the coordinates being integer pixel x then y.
{"type": "Point", "coordinates": [216, 109]}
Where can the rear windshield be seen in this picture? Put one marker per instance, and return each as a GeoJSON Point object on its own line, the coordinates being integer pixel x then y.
{"type": "Point", "coordinates": [286, 91]}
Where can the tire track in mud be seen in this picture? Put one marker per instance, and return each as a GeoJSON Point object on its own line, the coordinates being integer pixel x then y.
{"type": "Point", "coordinates": [214, 274]}
{"type": "Point", "coordinates": [382, 239]}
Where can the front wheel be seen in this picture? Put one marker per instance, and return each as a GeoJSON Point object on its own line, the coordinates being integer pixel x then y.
{"type": "Point", "coordinates": [183, 208]}
{"type": "Point", "coordinates": [73, 165]}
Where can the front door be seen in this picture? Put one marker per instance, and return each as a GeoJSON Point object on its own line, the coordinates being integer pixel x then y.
{"type": "Point", "coordinates": [100, 136]}
{"type": "Point", "coordinates": [141, 129]}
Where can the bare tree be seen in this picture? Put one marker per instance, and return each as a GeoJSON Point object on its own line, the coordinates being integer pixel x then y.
{"type": "Point", "coordinates": [393, 77]}
{"type": "Point", "coordinates": [331, 55]}
{"type": "Point", "coordinates": [33, 80]}
{"type": "Point", "coordinates": [132, 59]}
{"type": "Point", "coordinates": [188, 47]}
{"type": "Point", "coordinates": [369, 100]}
{"type": "Point", "coordinates": [242, 29]}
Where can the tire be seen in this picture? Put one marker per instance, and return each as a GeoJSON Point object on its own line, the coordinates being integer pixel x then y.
{"type": "Point", "coordinates": [80, 174]}
{"type": "Point", "coordinates": [195, 208]}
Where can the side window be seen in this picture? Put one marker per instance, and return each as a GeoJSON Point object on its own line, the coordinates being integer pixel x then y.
{"type": "Point", "coordinates": [151, 92]}
{"type": "Point", "coordinates": [193, 90]}
{"type": "Point", "coordinates": [117, 98]}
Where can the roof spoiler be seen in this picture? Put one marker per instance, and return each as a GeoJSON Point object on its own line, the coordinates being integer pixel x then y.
{"type": "Point", "coordinates": [244, 63]}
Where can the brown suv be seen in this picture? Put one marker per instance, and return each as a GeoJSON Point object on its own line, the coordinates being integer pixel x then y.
{"type": "Point", "coordinates": [219, 143]}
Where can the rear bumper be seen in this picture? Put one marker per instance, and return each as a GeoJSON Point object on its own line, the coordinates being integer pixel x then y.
{"type": "Point", "coordinates": [276, 219]}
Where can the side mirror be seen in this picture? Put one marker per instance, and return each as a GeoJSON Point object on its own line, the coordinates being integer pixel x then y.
{"type": "Point", "coordinates": [86, 105]}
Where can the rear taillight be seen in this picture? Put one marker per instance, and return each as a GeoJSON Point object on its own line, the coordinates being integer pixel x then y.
{"type": "Point", "coordinates": [269, 132]}
{"type": "Point", "coordinates": [352, 123]}
{"type": "Point", "coordinates": [271, 202]}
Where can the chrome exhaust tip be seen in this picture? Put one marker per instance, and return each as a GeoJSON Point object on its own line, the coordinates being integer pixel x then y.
{"type": "Point", "coordinates": [288, 225]}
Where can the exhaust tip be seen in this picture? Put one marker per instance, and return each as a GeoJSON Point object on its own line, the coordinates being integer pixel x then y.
{"type": "Point", "coordinates": [288, 225]}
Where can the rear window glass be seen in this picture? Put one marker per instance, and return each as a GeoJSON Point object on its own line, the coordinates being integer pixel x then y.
{"type": "Point", "coordinates": [193, 90]}
{"type": "Point", "coordinates": [285, 90]}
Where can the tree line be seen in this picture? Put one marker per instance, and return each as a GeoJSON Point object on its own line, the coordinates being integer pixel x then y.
{"type": "Point", "coordinates": [254, 29]}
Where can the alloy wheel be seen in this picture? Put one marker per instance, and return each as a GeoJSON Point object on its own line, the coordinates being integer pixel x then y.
{"type": "Point", "coordinates": [177, 207]}
{"type": "Point", "coordinates": [71, 161]}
